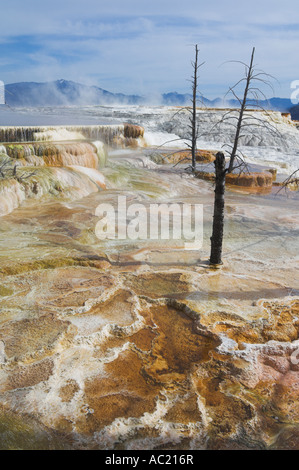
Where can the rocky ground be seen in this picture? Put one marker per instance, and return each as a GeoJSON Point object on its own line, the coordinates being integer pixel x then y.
{"type": "Point", "coordinates": [143, 346]}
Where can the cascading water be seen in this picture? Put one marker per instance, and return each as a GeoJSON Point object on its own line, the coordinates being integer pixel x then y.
{"type": "Point", "coordinates": [81, 148]}
{"type": "Point", "coordinates": [105, 133]}
{"type": "Point", "coordinates": [61, 154]}
{"type": "Point", "coordinates": [11, 196]}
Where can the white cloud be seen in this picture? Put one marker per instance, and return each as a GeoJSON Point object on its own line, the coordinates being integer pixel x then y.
{"type": "Point", "coordinates": [138, 46]}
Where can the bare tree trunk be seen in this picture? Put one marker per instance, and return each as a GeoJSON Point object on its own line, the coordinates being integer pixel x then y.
{"type": "Point", "coordinates": [220, 171]}
{"type": "Point", "coordinates": [193, 120]}
{"type": "Point", "coordinates": [218, 220]}
{"type": "Point", "coordinates": [240, 119]}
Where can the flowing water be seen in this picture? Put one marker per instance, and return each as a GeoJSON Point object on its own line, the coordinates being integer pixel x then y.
{"type": "Point", "coordinates": [139, 344]}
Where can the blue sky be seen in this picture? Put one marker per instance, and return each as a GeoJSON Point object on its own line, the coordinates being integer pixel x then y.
{"type": "Point", "coordinates": [146, 46]}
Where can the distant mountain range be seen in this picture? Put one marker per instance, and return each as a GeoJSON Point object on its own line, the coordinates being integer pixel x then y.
{"type": "Point", "coordinates": [67, 93]}
{"type": "Point", "coordinates": [62, 93]}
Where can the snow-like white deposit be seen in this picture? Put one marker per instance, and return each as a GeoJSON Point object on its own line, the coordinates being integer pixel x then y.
{"type": "Point", "coordinates": [268, 138]}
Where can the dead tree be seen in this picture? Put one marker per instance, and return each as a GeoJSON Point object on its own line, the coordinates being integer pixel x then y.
{"type": "Point", "coordinates": [218, 219]}
{"type": "Point", "coordinates": [3, 167]}
{"type": "Point", "coordinates": [193, 118]}
{"type": "Point", "coordinates": [251, 98]}
{"type": "Point", "coordinates": [193, 133]}
{"type": "Point", "coordinates": [291, 180]}
{"type": "Point", "coordinates": [194, 130]}
{"type": "Point", "coordinates": [235, 161]}
{"type": "Point", "coordinates": [241, 113]}
{"type": "Point", "coordinates": [193, 126]}
{"type": "Point", "coordinates": [9, 170]}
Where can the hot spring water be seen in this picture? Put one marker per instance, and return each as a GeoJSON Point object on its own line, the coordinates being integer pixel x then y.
{"type": "Point", "coordinates": [130, 344]}
{"type": "Point", "coordinates": [57, 160]}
